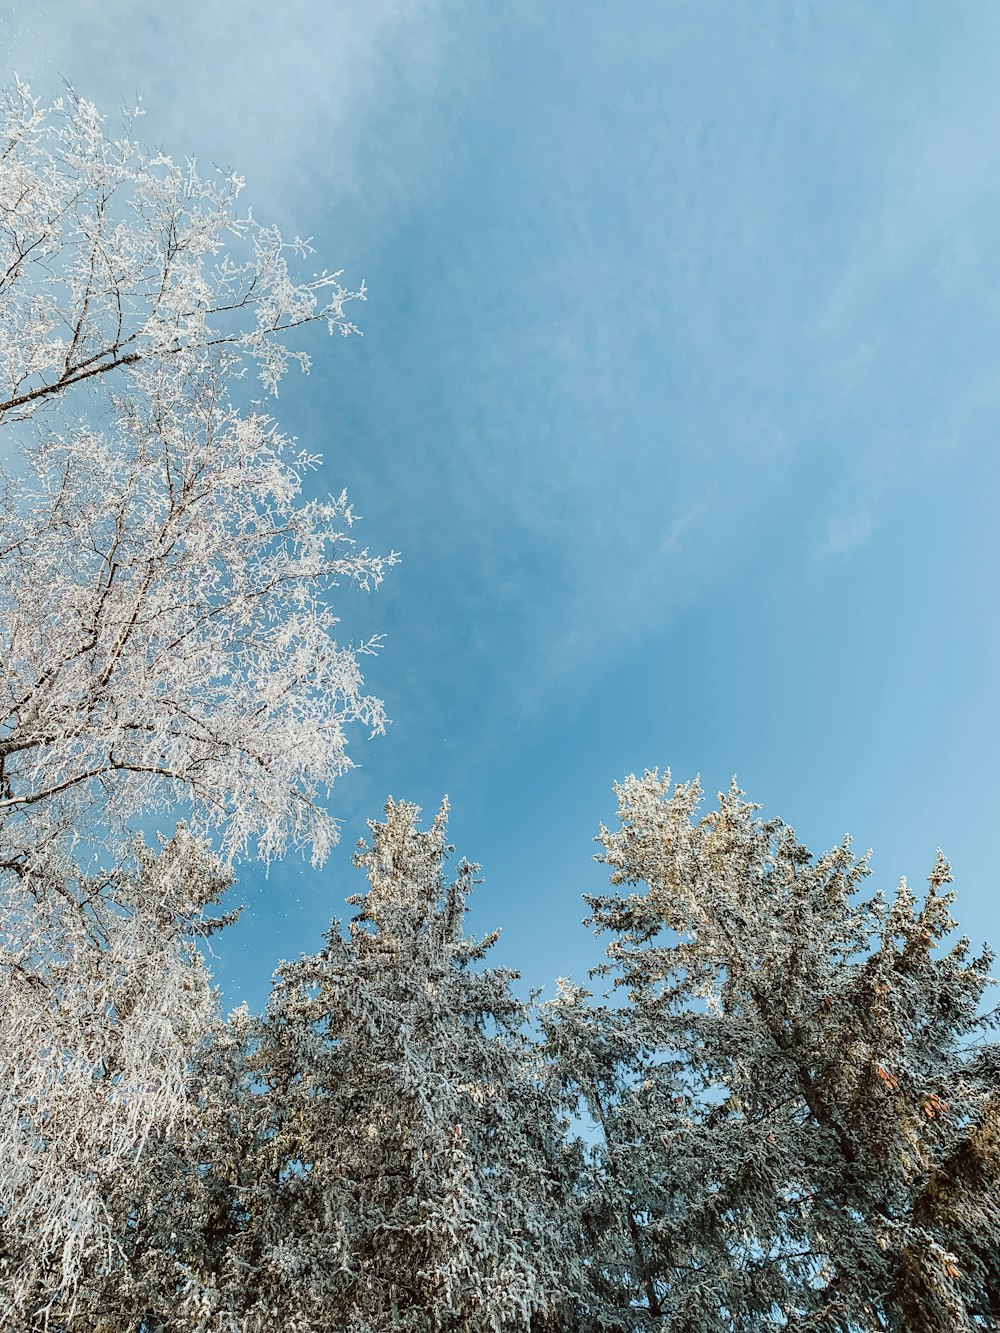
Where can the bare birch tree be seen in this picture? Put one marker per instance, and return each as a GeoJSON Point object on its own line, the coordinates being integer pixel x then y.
{"type": "Point", "coordinates": [166, 632]}
{"type": "Point", "coordinates": [167, 645]}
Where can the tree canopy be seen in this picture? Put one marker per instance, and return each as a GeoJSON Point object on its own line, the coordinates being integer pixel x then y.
{"type": "Point", "coordinates": [785, 1112]}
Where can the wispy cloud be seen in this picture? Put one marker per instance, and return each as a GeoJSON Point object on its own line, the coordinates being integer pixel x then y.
{"type": "Point", "coordinates": [279, 92]}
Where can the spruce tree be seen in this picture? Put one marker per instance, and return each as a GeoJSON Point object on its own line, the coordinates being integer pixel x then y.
{"type": "Point", "coordinates": [805, 1122]}
{"type": "Point", "coordinates": [411, 1171]}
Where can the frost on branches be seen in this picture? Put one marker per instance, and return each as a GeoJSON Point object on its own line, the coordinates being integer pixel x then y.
{"type": "Point", "coordinates": [799, 1112]}
{"type": "Point", "coordinates": [116, 259]}
{"type": "Point", "coordinates": [788, 1118]}
{"type": "Point", "coordinates": [789, 1115]}
{"type": "Point", "coordinates": [166, 635]}
{"type": "Point", "coordinates": [167, 642]}
{"type": "Point", "coordinates": [105, 1000]}
{"type": "Point", "coordinates": [411, 1169]}
{"type": "Point", "coordinates": [165, 627]}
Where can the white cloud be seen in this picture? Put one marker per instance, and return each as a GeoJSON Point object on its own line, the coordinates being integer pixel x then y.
{"type": "Point", "coordinates": [278, 92]}
{"type": "Point", "coordinates": [677, 528]}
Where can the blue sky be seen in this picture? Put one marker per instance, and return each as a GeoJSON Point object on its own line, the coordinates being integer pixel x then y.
{"type": "Point", "coordinates": [679, 393]}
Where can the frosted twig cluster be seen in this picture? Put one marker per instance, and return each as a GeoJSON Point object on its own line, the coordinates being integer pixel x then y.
{"type": "Point", "coordinates": [113, 258]}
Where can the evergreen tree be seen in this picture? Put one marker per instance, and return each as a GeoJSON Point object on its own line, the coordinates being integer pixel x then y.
{"type": "Point", "coordinates": [804, 1120]}
{"type": "Point", "coordinates": [622, 1099]}
{"type": "Point", "coordinates": [411, 1169]}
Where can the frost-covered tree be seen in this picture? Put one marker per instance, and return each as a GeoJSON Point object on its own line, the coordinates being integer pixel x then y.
{"type": "Point", "coordinates": [622, 1098]}
{"type": "Point", "coordinates": [805, 1125]}
{"type": "Point", "coordinates": [166, 632]}
{"type": "Point", "coordinates": [106, 1003]}
{"type": "Point", "coordinates": [167, 642]}
{"type": "Point", "coordinates": [411, 1171]}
